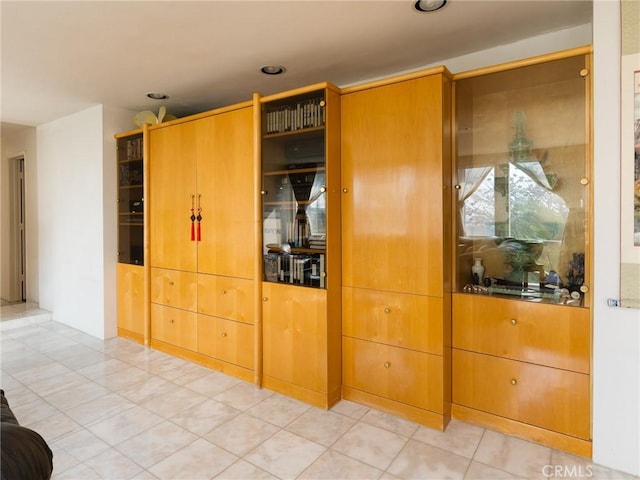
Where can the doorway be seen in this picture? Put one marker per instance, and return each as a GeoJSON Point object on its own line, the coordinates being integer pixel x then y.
{"type": "Point", "coordinates": [18, 235]}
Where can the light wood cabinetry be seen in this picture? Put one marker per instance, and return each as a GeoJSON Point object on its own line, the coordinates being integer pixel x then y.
{"type": "Point", "coordinates": [396, 244]}
{"type": "Point", "coordinates": [131, 276]}
{"type": "Point", "coordinates": [202, 239]}
{"type": "Point", "coordinates": [300, 164]}
{"type": "Point", "coordinates": [130, 281]}
{"type": "Point", "coordinates": [522, 325]}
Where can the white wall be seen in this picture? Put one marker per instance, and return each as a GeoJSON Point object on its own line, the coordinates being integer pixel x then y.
{"type": "Point", "coordinates": [616, 331]}
{"type": "Point", "coordinates": [18, 140]}
{"type": "Point", "coordinates": [77, 195]}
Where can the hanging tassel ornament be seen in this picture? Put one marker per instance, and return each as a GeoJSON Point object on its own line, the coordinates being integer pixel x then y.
{"type": "Point", "coordinates": [199, 218]}
{"type": "Point", "coordinates": [193, 218]}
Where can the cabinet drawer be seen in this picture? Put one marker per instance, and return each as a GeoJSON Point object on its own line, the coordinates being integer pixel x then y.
{"type": "Point", "coordinates": [552, 335]}
{"type": "Point", "coordinates": [174, 288]}
{"type": "Point", "coordinates": [404, 320]}
{"type": "Point", "coordinates": [174, 326]}
{"type": "Point", "coordinates": [226, 340]}
{"type": "Point", "coordinates": [547, 397]}
{"type": "Point", "coordinates": [406, 376]}
{"type": "Point", "coordinates": [226, 297]}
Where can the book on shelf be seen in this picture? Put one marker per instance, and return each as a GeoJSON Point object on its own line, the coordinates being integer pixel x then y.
{"type": "Point", "coordinates": [297, 116]}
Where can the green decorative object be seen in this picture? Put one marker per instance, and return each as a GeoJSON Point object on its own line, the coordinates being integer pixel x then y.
{"type": "Point", "coordinates": [520, 148]}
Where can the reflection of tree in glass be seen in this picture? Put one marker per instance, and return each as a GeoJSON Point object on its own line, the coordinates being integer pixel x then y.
{"type": "Point", "coordinates": [534, 211]}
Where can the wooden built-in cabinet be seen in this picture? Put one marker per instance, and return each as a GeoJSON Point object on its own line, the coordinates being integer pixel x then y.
{"type": "Point", "coordinates": [130, 274]}
{"type": "Point", "coordinates": [202, 239]}
{"type": "Point", "coordinates": [522, 322]}
{"type": "Point", "coordinates": [395, 246]}
{"type": "Point", "coordinates": [419, 244]}
{"type": "Point", "coordinates": [300, 164]}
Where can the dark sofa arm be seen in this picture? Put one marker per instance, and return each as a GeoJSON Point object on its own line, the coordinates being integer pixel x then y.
{"type": "Point", "coordinates": [25, 454]}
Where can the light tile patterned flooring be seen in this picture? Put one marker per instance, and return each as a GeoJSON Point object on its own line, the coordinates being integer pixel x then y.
{"type": "Point", "coordinates": [116, 410]}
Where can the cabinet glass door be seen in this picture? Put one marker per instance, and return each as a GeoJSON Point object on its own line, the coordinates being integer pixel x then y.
{"type": "Point", "coordinates": [294, 190]}
{"type": "Point", "coordinates": [130, 200]}
{"type": "Point", "coordinates": [522, 186]}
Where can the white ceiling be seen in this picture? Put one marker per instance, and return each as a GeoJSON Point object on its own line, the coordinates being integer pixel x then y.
{"type": "Point", "coordinates": [62, 57]}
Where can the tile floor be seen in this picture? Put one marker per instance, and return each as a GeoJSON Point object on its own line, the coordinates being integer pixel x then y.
{"type": "Point", "coordinates": [116, 410]}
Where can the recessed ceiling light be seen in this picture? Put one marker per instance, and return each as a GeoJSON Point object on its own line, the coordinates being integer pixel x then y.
{"type": "Point", "coordinates": [429, 5]}
{"type": "Point", "coordinates": [157, 96]}
{"type": "Point", "coordinates": [272, 69]}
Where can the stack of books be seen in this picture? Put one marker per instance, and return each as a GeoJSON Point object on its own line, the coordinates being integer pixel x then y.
{"type": "Point", "coordinates": [318, 242]}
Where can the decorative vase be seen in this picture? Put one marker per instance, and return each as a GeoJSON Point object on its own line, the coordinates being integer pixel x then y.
{"type": "Point", "coordinates": [477, 271]}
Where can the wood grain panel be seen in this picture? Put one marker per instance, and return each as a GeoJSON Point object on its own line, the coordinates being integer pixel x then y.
{"type": "Point", "coordinates": [552, 335]}
{"type": "Point", "coordinates": [172, 181]}
{"type": "Point", "coordinates": [226, 297]}
{"type": "Point", "coordinates": [546, 397]}
{"type": "Point", "coordinates": [295, 335]}
{"type": "Point", "coordinates": [130, 281]}
{"type": "Point", "coordinates": [174, 288]}
{"type": "Point", "coordinates": [406, 376]}
{"type": "Point", "coordinates": [403, 320]}
{"type": "Point", "coordinates": [174, 326]}
{"type": "Point", "coordinates": [225, 181]}
{"type": "Point", "coordinates": [226, 340]}
{"type": "Point", "coordinates": [392, 175]}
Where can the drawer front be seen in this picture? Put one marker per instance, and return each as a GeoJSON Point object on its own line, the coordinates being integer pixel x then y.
{"type": "Point", "coordinates": [226, 340]}
{"type": "Point", "coordinates": [174, 288]}
{"type": "Point", "coordinates": [174, 326]}
{"type": "Point", "coordinates": [226, 297]}
{"type": "Point", "coordinates": [403, 320]}
{"type": "Point", "coordinates": [552, 335]}
{"type": "Point", "coordinates": [406, 376]}
{"type": "Point", "coordinates": [549, 398]}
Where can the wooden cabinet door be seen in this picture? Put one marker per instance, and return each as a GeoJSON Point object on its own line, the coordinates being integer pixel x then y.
{"type": "Point", "coordinates": [226, 340]}
{"type": "Point", "coordinates": [172, 176]}
{"type": "Point", "coordinates": [550, 398]}
{"type": "Point", "coordinates": [227, 187]}
{"type": "Point", "coordinates": [392, 205]}
{"type": "Point", "coordinates": [226, 297]}
{"type": "Point", "coordinates": [174, 326]}
{"type": "Point", "coordinates": [552, 335]}
{"type": "Point", "coordinates": [406, 376]}
{"type": "Point", "coordinates": [130, 280]}
{"type": "Point", "coordinates": [400, 319]}
{"type": "Point", "coordinates": [174, 288]}
{"type": "Point", "coordinates": [295, 335]}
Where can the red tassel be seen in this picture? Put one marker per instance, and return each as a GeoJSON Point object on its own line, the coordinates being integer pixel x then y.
{"type": "Point", "coordinates": [193, 237]}
{"type": "Point", "coordinates": [199, 232]}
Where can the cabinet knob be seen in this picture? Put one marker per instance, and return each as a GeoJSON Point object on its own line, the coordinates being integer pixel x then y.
{"type": "Point", "coordinates": [514, 321]}
{"type": "Point", "coordinates": [264, 192]}
{"type": "Point", "coordinates": [223, 334]}
{"type": "Point", "coordinates": [584, 181]}
{"type": "Point", "coordinates": [584, 73]}
{"type": "Point", "coordinates": [323, 189]}
{"type": "Point", "coordinates": [458, 187]}
{"type": "Point", "coordinates": [584, 288]}
{"type": "Point", "coordinates": [514, 381]}
{"type": "Point", "coordinates": [171, 283]}
{"type": "Point", "coordinates": [345, 190]}
{"type": "Point", "coordinates": [171, 321]}
{"type": "Point", "coordinates": [387, 310]}
{"type": "Point", "coordinates": [223, 292]}
{"type": "Point", "coordinates": [264, 299]}
{"type": "Point", "coordinates": [387, 364]}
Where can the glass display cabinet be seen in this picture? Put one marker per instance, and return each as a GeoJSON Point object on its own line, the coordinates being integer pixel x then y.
{"type": "Point", "coordinates": [294, 190]}
{"type": "Point", "coordinates": [130, 199]}
{"type": "Point", "coordinates": [522, 186]}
